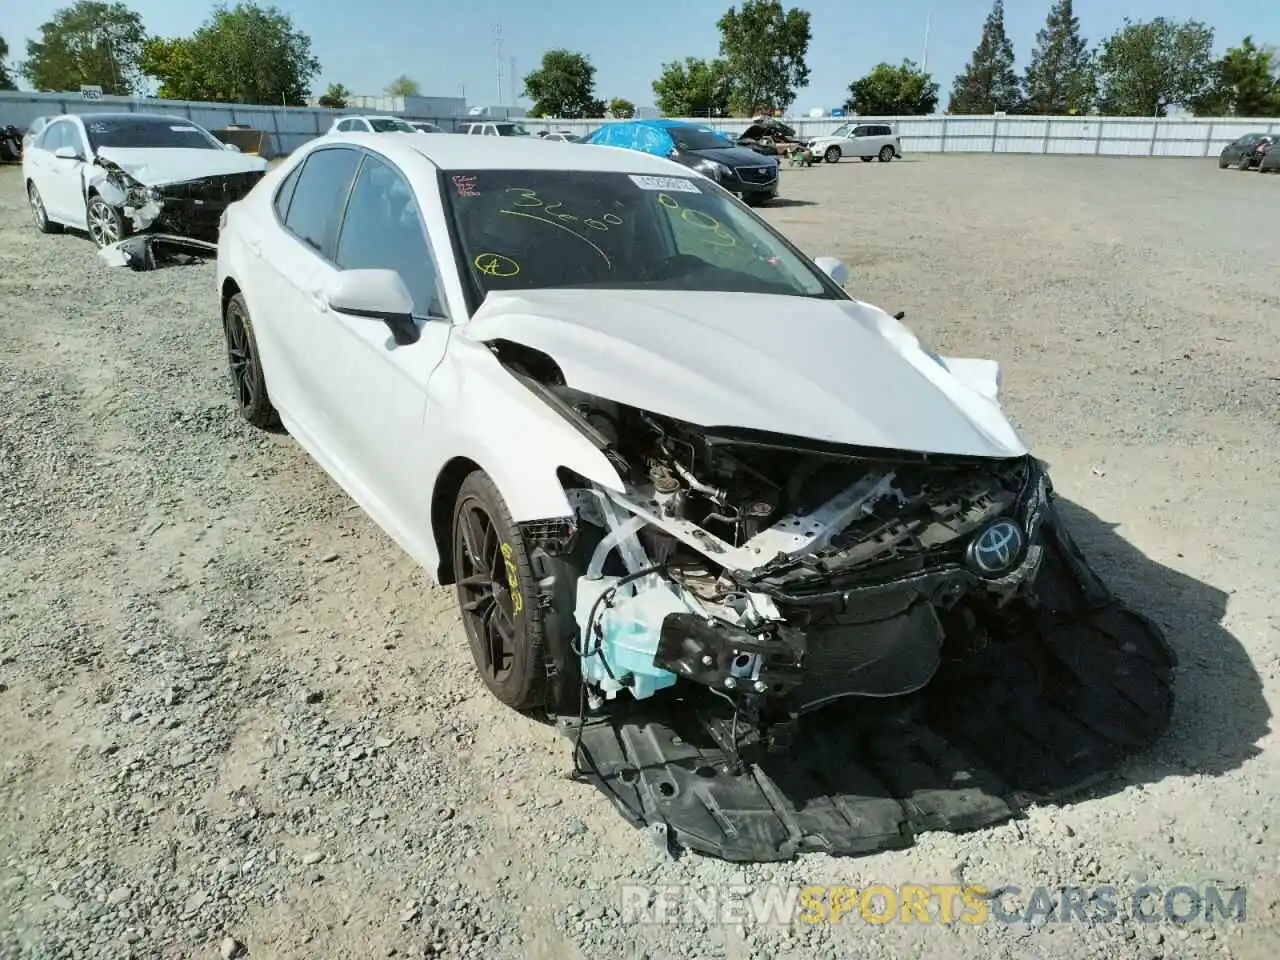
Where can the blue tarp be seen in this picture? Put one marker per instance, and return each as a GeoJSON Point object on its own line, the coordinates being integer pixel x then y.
{"type": "Point", "coordinates": [647, 136]}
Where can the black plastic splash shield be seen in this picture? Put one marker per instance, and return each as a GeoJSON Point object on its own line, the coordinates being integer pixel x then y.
{"type": "Point", "coordinates": [1027, 707]}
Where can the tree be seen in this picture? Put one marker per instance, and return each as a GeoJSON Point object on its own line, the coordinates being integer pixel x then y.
{"type": "Point", "coordinates": [6, 78]}
{"type": "Point", "coordinates": [403, 86]}
{"type": "Point", "coordinates": [335, 97]}
{"type": "Point", "coordinates": [621, 109]}
{"type": "Point", "coordinates": [87, 43]}
{"type": "Point", "coordinates": [1246, 83]}
{"type": "Point", "coordinates": [695, 88]}
{"type": "Point", "coordinates": [988, 84]}
{"type": "Point", "coordinates": [564, 86]}
{"type": "Point", "coordinates": [889, 91]}
{"type": "Point", "coordinates": [764, 49]}
{"type": "Point", "coordinates": [1145, 66]}
{"type": "Point", "coordinates": [1060, 78]}
{"type": "Point", "coordinates": [245, 54]}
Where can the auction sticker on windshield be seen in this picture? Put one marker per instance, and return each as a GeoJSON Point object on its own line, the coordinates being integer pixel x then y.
{"type": "Point", "coordinates": [665, 183]}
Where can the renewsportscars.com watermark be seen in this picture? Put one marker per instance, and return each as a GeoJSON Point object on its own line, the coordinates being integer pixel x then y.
{"type": "Point", "coordinates": [935, 903]}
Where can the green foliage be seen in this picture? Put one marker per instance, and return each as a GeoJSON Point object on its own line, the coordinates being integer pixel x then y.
{"type": "Point", "coordinates": [1061, 79]}
{"type": "Point", "coordinates": [1245, 83]}
{"type": "Point", "coordinates": [88, 42]}
{"type": "Point", "coordinates": [335, 97]}
{"type": "Point", "coordinates": [988, 83]}
{"type": "Point", "coordinates": [6, 78]}
{"type": "Point", "coordinates": [695, 88]}
{"type": "Point", "coordinates": [245, 54]}
{"type": "Point", "coordinates": [621, 109]}
{"type": "Point", "coordinates": [1145, 66]}
{"type": "Point", "coordinates": [403, 86]}
{"type": "Point", "coordinates": [564, 86]}
{"type": "Point", "coordinates": [889, 91]}
{"type": "Point", "coordinates": [764, 49]}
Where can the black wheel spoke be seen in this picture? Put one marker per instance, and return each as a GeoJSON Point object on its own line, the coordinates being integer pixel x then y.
{"type": "Point", "coordinates": [483, 594]}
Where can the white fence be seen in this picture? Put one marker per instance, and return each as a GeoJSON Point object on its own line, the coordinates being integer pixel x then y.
{"type": "Point", "coordinates": [1093, 136]}
{"type": "Point", "coordinates": [290, 127]}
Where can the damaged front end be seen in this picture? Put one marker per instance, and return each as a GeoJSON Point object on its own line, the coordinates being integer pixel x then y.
{"type": "Point", "coordinates": [172, 217]}
{"type": "Point", "coordinates": [787, 646]}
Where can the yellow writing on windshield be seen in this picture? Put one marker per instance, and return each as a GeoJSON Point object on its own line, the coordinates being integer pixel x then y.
{"type": "Point", "coordinates": [495, 265]}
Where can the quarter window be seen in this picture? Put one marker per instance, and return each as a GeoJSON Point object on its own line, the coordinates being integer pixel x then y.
{"type": "Point", "coordinates": [383, 230]}
{"type": "Point", "coordinates": [319, 195]}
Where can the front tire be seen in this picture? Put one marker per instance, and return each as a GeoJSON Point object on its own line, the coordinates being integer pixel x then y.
{"type": "Point", "coordinates": [497, 599]}
{"type": "Point", "coordinates": [106, 224]}
{"type": "Point", "coordinates": [38, 212]}
{"type": "Point", "coordinates": [244, 364]}
{"type": "Point", "coordinates": [832, 155]}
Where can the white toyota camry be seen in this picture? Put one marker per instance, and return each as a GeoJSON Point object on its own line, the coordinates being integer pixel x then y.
{"type": "Point", "coordinates": [657, 449]}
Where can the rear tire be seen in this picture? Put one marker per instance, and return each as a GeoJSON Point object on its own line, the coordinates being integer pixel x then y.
{"type": "Point", "coordinates": [886, 154]}
{"type": "Point", "coordinates": [244, 364]}
{"type": "Point", "coordinates": [498, 600]}
{"type": "Point", "coordinates": [38, 212]}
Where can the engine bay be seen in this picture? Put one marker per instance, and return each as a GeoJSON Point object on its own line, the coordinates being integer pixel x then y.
{"type": "Point", "coordinates": [776, 568]}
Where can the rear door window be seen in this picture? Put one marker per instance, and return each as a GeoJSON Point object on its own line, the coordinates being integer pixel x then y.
{"type": "Point", "coordinates": [319, 197]}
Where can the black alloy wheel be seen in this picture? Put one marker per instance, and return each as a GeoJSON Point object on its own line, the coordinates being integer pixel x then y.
{"type": "Point", "coordinates": [245, 366]}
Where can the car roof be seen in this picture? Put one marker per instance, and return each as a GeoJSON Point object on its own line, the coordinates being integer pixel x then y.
{"type": "Point", "coordinates": [457, 151]}
{"type": "Point", "coordinates": [139, 115]}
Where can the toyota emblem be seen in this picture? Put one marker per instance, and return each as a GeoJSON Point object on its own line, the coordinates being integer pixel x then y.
{"type": "Point", "coordinates": [997, 549]}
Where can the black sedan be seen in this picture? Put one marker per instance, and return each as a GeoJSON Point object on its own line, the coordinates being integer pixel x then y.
{"type": "Point", "coordinates": [1247, 152]}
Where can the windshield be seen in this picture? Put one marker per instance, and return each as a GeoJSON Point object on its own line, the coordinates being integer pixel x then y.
{"type": "Point", "coordinates": [691, 138]}
{"type": "Point", "coordinates": [390, 125]}
{"type": "Point", "coordinates": [539, 229]}
{"type": "Point", "coordinates": [154, 132]}
{"type": "Point", "coordinates": [512, 130]}
{"type": "Point", "coordinates": [841, 131]}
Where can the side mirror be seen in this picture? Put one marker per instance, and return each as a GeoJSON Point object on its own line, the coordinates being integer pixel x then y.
{"type": "Point", "coordinates": [231, 146]}
{"type": "Point", "coordinates": [67, 153]}
{"type": "Point", "coordinates": [376, 295]}
{"type": "Point", "coordinates": [834, 268]}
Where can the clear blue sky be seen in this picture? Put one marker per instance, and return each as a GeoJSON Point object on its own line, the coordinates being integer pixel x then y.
{"type": "Point", "coordinates": [445, 46]}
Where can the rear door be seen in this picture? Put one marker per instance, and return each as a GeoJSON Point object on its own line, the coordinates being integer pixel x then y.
{"type": "Point", "coordinates": [293, 261]}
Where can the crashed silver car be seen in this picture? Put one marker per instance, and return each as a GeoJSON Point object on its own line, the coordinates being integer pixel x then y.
{"type": "Point", "coordinates": [136, 182]}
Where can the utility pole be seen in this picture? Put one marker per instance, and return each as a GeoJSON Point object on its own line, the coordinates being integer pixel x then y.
{"type": "Point", "coordinates": [924, 59]}
{"type": "Point", "coordinates": [514, 90]}
{"type": "Point", "coordinates": [497, 58]}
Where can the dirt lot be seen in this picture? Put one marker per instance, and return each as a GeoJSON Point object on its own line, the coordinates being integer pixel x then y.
{"type": "Point", "coordinates": [231, 709]}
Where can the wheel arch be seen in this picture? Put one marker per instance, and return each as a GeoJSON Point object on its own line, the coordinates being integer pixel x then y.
{"type": "Point", "coordinates": [228, 290]}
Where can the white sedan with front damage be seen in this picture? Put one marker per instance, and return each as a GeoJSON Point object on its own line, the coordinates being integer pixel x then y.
{"type": "Point", "coordinates": [788, 578]}
{"type": "Point", "coordinates": [123, 175]}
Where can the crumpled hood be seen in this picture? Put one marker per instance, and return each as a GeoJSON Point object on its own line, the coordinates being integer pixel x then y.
{"type": "Point", "coordinates": [831, 370]}
{"type": "Point", "coordinates": [156, 167]}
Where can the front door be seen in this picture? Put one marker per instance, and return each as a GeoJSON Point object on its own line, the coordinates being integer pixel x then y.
{"type": "Point", "coordinates": [375, 392]}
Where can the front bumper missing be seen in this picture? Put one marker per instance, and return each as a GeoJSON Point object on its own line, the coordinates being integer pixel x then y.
{"type": "Point", "coordinates": [1031, 701]}
{"type": "Point", "coordinates": [143, 251]}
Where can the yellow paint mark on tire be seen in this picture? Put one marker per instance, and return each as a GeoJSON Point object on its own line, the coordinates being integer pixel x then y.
{"type": "Point", "coordinates": [513, 578]}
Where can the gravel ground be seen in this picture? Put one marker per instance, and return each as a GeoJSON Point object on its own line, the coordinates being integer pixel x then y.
{"type": "Point", "coordinates": [235, 719]}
